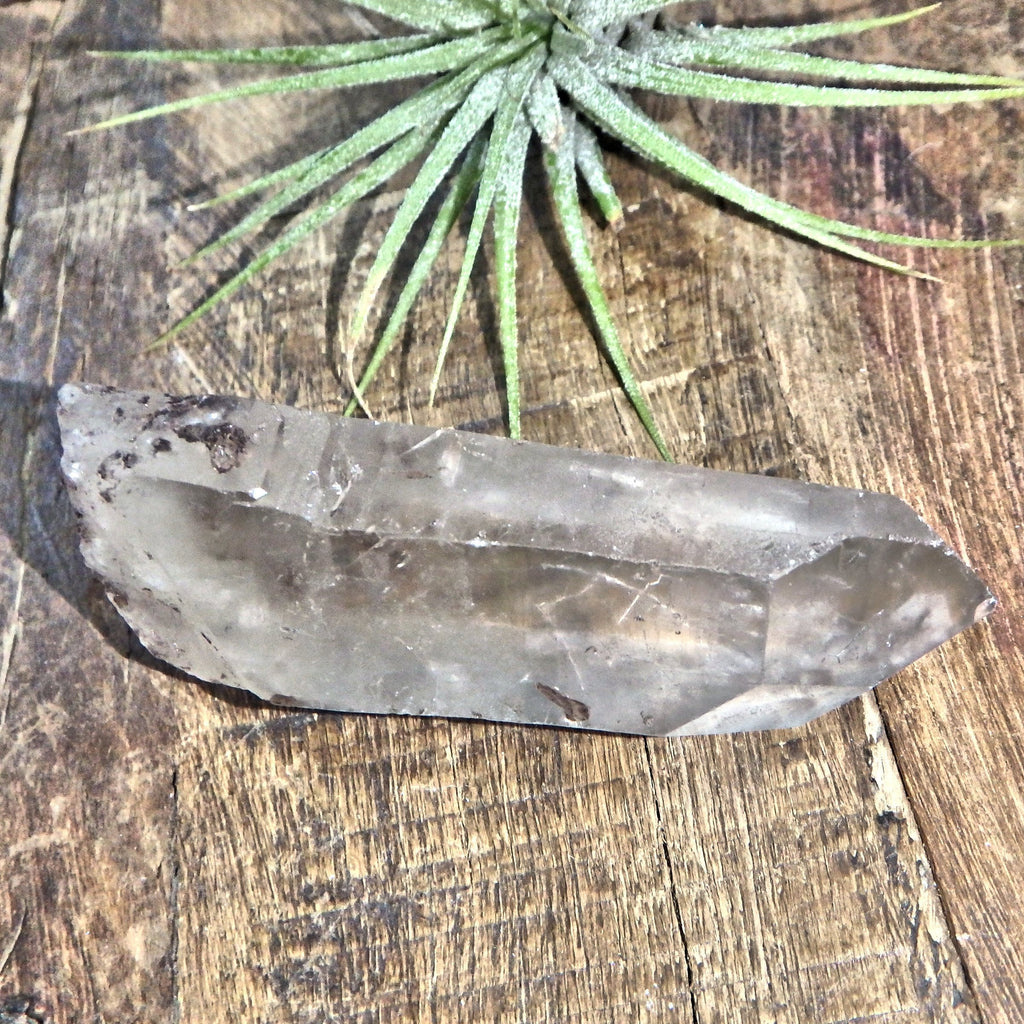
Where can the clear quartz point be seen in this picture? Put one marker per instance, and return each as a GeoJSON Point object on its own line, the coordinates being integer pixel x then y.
{"type": "Point", "coordinates": [356, 566]}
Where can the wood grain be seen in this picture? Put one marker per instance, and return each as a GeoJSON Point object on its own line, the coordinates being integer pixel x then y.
{"type": "Point", "coordinates": [173, 852]}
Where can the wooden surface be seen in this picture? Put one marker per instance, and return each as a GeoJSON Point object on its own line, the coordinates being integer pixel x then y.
{"type": "Point", "coordinates": [172, 852]}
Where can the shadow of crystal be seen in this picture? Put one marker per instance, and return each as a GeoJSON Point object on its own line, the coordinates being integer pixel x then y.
{"type": "Point", "coordinates": [35, 511]}
{"type": "Point", "coordinates": [36, 514]}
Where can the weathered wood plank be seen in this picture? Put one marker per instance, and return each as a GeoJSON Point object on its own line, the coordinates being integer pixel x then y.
{"type": "Point", "coordinates": [86, 896]}
{"type": "Point", "coordinates": [176, 852]}
{"type": "Point", "coordinates": [917, 388]}
{"type": "Point", "coordinates": [422, 870]}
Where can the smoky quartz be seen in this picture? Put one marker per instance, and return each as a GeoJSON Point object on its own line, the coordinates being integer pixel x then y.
{"type": "Point", "coordinates": [357, 566]}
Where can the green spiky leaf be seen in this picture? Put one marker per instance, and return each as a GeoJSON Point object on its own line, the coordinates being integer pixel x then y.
{"type": "Point", "coordinates": [500, 72]}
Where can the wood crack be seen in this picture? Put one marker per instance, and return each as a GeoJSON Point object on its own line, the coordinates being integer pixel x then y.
{"type": "Point", "coordinates": [8, 948]}
{"type": "Point", "coordinates": [8, 641]}
{"type": "Point", "coordinates": [893, 804]}
{"type": "Point", "coordinates": [673, 890]}
{"type": "Point", "coordinates": [13, 147]}
{"type": "Point", "coordinates": [173, 902]}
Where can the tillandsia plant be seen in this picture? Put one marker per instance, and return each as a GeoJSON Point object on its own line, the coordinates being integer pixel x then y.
{"type": "Point", "coordinates": [503, 71]}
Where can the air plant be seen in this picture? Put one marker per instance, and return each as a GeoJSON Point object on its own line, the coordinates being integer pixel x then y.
{"type": "Point", "coordinates": [498, 73]}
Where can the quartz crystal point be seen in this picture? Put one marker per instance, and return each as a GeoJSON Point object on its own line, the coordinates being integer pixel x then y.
{"type": "Point", "coordinates": [357, 566]}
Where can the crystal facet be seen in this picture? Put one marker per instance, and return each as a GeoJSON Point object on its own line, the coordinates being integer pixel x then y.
{"type": "Point", "coordinates": [357, 566]}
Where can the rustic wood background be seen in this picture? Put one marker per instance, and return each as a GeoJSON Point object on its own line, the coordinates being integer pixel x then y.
{"type": "Point", "coordinates": [173, 852]}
